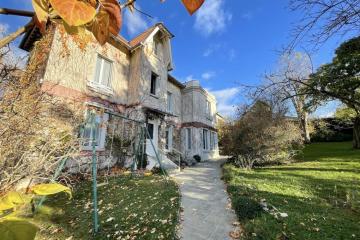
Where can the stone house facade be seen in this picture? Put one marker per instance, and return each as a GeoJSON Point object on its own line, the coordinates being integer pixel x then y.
{"type": "Point", "coordinates": [133, 78]}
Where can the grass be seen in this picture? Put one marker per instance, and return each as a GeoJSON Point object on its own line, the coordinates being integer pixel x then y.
{"type": "Point", "coordinates": [129, 208]}
{"type": "Point", "coordinates": [320, 193]}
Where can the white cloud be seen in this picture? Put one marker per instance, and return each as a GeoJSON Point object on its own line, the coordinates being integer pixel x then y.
{"type": "Point", "coordinates": [248, 15]}
{"type": "Point", "coordinates": [211, 49]}
{"type": "Point", "coordinates": [326, 110]}
{"type": "Point", "coordinates": [135, 22]}
{"type": "Point", "coordinates": [212, 17]}
{"type": "Point", "coordinates": [3, 29]}
{"type": "Point", "coordinates": [189, 78]}
{"type": "Point", "coordinates": [226, 99]}
{"type": "Point", "coordinates": [208, 75]}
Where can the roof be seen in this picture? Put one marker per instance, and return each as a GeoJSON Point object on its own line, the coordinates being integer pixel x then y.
{"type": "Point", "coordinates": [141, 37]}
{"type": "Point", "coordinates": [34, 34]}
{"type": "Point", "coordinates": [175, 82]}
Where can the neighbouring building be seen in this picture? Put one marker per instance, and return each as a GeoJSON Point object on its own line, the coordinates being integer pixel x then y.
{"type": "Point", "coordinates": [134, 74]}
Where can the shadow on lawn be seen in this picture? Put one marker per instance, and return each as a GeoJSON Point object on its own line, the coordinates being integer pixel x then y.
{"type": "Point", "coordinates": [307, 218]}
{"type": "Point", "coordinates": [310, 169]}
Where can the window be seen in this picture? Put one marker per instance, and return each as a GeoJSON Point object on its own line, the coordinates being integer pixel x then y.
{"type": "Point", "coordinates": [208, 108]}
{"type": "Point", "coordinates": [169, 138]}
{"type": "Point", "coordinates": [188, 138]}
{"type": "Point", "coordinates": [150, 128]}
{"type": "Point", "coordinates": [205, 139]}
{"type": "Point", "coordinates": [153, 83]}
{"type": "Point", "coordinates": [169, 102]}
{"type": "Point", "coordinates": [97, 132]}
{"type": "Point", "coordinates": [103, 72]}
{"type": "Point", "coordinates": [212, 141]}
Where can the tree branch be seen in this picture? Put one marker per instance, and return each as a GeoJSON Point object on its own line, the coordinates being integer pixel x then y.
{"type": "Point", "coordinates": [11, 37]}
{"type": "Point", "coordinates": [16, 12]}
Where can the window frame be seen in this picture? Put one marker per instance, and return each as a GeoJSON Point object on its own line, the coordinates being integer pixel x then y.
{"type": "Point", "coordinates": [188, 138]}
{"type": "Point", "coordinates": [212, 141]}
{"type": "Point", "coordinates": [99, 82]}
{"type": "Point", "coordinates": [153, 86]}
{"type": "Point", "coordinates": [102, 131]}
{"type": "Point", "coordinates": [205, 139]}
{"type": "Point", "coordinates": [208, 108]}
{"type": "Point", "coordinates": [170, 102]}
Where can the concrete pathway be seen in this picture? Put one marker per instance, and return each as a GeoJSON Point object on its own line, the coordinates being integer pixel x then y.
{"type": "Point", "coordinates": [207, 214]}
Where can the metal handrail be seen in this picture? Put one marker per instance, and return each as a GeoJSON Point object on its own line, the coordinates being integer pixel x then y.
{"type": "Point", "coordinates": [180, 154]}
{"type": "Point", "coordinates": [179, 158]}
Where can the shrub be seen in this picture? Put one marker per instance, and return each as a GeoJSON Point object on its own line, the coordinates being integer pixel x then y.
{"type": "Point", "coordinates": [332, 130]}
{"type": "Point", "coordinates": [262, 135]}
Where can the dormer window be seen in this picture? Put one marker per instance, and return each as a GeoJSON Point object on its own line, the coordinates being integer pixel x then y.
{"type": "Point", "coordinates": [153, 83]}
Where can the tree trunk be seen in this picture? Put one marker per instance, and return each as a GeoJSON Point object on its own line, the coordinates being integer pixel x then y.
{"type": "Point", "coordinates": [304, 125]}
{"type": "Point", "coordinates": [356, 133]}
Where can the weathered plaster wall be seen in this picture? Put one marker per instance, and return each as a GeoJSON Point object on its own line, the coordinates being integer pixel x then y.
{"type": "Point", "coordinates": [194, 104]}
{"type": "Point", "coordinates": [74, 68]}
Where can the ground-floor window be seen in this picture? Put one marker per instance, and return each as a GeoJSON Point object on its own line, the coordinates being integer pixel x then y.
{"type": "Point", "coordinates": [96, 132]}
{"type": "Point", "coordinates": [212, 141]}
{"type": "Point", "coordinates": [169, 138]}
{"type": "Point", "coordinates": [188, 138]}
{"type": "Point", "coordinates": [205, 139]}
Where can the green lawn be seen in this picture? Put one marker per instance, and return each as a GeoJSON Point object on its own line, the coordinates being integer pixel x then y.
{"type": "Point", "coordinates": [320, 194]}
{"type": "Point", "coordinates": [138, 208]}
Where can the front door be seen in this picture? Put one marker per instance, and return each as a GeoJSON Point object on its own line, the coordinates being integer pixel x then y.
{"type": "Point", "coordinates": [153, 129]}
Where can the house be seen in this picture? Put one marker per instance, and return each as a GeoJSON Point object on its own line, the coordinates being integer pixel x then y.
{"type": "Point", "coordinates": [135, 74]}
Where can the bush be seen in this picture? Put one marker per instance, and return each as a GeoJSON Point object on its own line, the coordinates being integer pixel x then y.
{"type": "Point", "coordinates": [197, 158]}
{"type": "Point", "coordinates": [262, 135]}
{"type": "Point", "coordinates": [332, 130]}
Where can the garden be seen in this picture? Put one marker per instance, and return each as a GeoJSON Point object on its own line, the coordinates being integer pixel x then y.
{"type": "Point", "coordinates": [129, 208]}
{"type": "Point", "coordinates": [315, 197]}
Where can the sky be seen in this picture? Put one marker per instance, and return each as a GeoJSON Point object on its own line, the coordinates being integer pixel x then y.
{"type": "Point", "coordinates": [226, 44]}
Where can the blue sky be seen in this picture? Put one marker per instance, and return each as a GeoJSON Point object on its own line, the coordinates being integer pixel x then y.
{"type": "Point", "coordinates": [225, 44]}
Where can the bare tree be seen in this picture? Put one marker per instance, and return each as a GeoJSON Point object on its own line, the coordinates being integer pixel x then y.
{"type": "Point", "coordinates": [324, 18]}
{"type": "Point", "coordinates": [287, 81]}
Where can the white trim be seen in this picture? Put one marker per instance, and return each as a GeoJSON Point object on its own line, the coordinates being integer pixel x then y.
{"type": "Point", "coordinates": [95, 84]}
{"type": "Point", "coordinates": [103, 130]}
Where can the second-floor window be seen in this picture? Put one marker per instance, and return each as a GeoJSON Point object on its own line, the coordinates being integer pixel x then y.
{"type": "Point", "coordinates": [169, 102]}
{"type": "Point", "coordinates": [103, 72]}
{"type": "Point", "coordinates": [208, 108]}
{"type": "Point", "coordinates": [153, 83]}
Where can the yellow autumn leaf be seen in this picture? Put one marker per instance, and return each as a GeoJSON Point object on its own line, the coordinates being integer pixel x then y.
{"type": "Point", "coordinates": [41, 8]}
{"type": "Point", "coordinates": [17, 229]}
{"type": "Point", "coordinates": [12, 199]}
{"type": "Point", "coordinates": [50, 189]}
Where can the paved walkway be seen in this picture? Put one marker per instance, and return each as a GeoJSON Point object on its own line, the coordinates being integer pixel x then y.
{"type": "Point", "coordinates": [205, 203]}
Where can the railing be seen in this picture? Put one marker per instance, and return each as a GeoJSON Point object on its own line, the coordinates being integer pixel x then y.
{"type": "Point", "coordinates": [180, 154]}
{"type": "Point", "coordinates": [163, 155]}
